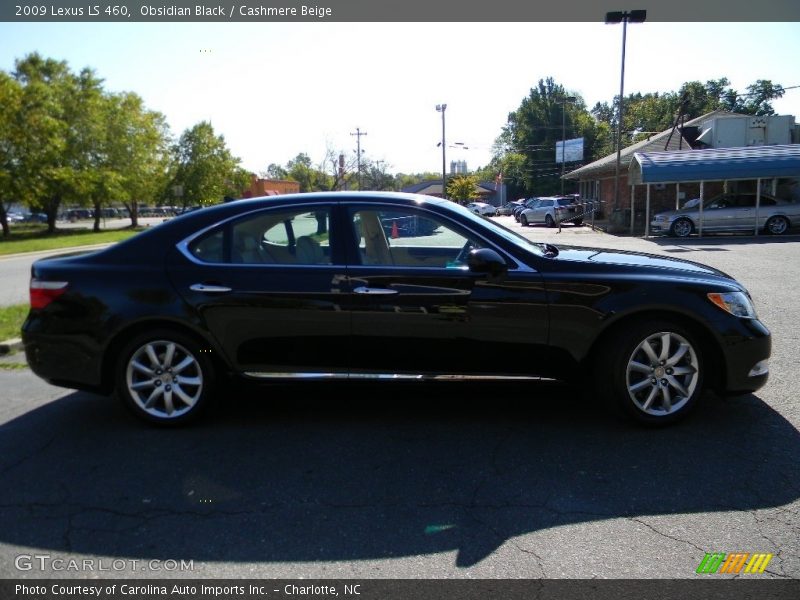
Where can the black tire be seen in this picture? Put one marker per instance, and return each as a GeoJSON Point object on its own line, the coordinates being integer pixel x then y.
{"type": "Point", "coordinates": [548, 220]}
{"type": "Point", "coordinates": [777, 225]}
{"type": "Point", "coordinates": [523, 220]}
{"type": "Point", "coordinates": [165, 377]}
{"type": "Point", "coordinates": [578, 222]}
{"type": "Point", "coordinates": [682, 227]}
{"type": "Point", "coordinates": [624, 372]}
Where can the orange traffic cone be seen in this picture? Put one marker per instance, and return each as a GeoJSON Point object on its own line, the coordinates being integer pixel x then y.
{"type": "Point", "coordinates": [395, 233]}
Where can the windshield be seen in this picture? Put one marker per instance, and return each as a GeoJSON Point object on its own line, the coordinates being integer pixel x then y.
{"type": "Point", "coordinates": [504, 232]}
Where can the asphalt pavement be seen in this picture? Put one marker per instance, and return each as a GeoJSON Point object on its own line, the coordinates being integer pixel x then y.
{"type": "Point", "coordinates": [417, 480]}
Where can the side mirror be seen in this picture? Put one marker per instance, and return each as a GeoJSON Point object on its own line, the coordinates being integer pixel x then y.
{"type": "Point", "coordinates": [486, 260]}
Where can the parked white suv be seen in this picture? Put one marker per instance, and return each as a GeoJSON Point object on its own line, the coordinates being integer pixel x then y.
{"type": "Point", "coordinates": [552, 210]}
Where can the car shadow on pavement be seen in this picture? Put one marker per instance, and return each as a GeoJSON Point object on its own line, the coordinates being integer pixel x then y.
{"type": "Point", "coordinates": [296, 473]}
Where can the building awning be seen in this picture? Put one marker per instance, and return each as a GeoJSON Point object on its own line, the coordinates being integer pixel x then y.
{"type": "Point", "coordinates": [715, 164]}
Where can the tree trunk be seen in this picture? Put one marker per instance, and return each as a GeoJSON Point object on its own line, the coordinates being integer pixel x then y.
{"type": "Point", "coordinates": [133, 213]}
{"type": "Point", "coordinates": [96, 227]}
{"type": "Point", "coordinates": [4, 220]}
{"type": "Point", "coordinates": [52, 212]}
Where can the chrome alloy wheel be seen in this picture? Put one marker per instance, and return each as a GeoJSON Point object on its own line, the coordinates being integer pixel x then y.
{"type": "Point", "coordinates": [164, 379]}
{"type": "Point", "coordinates": [682, 228]}
{"type": "Point", "coordinates": [662, 374]}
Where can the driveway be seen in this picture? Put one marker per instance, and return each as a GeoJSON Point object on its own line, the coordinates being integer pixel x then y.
{"type": "Point", "coordinates": [433, 481]}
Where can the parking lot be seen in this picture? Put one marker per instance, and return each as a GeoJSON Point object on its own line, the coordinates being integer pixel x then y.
{"type": "Point", "coordinates": [434, 481]}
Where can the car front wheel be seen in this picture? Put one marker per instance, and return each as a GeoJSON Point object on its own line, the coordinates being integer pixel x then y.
{"type": "Point", "coordinates": [164, 377]}
{"type": "Point", "coordinates": [653, 372]}
{"type": "Point", "coordinates": [523, 220]}
{"type": "Point", "coordinates": [681, 228]}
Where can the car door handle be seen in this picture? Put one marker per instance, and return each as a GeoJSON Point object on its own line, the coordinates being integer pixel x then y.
{"type": "Point", "coordinates": [209, 289]}
{"type": "Point", "coordinates": [374, 291]}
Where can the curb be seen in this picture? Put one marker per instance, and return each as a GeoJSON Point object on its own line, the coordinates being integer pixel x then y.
{"type": "Point", "coordinates": [64, 250]}
{"type": "Point", "coordinates": [11, 345]}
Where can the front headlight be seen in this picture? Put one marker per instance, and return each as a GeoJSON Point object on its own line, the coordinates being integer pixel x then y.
{"type": "Point", "coordinates": [736, 303]}
{"type": "Point", "coordinates": [660, 218]}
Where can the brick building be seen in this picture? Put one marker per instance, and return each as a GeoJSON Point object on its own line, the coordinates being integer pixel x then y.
{"type": "Point", "coordinates": [717, 129]}
{"type": "Point", "coordinates": [270, 187]}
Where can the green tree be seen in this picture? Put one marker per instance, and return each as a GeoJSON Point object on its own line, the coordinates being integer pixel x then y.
{"type": "Point", "coordinates": [532, 131]}
{"type": "Point", "coordinates": [204, 168]}
{"type": "Point", "coordinates": [10, 146]}
{"type": "Point", "coordinates": [757, 100]}
{"type": "Point", "coordinates": [461, 188]}
{"type": "Point", "coordinates": [45, 175]}
{"type": "Point", "coordinates": [275, 172]}
{"type": "Point", "coordinates": [301, 170]}
{"type": "Point", "coordinates": [138, 152]}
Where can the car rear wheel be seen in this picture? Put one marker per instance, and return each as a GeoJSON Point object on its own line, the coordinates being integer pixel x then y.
{"type": "Point", "coordinates": [655, 372]}
{"type": "Point", "coordinates": [777, 225]}
{"type": "Point", "coordinates": [164, 378]}
{"type": "Point", "coordinates": [523, 220]}
{"type": "Point", "coordinates": [548, 220]}
{"type": "Point", "coordinates": [681, 228]}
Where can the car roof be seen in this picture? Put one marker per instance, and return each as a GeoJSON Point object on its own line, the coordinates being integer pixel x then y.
{"type": "Point", "coordinates": [149, 242]}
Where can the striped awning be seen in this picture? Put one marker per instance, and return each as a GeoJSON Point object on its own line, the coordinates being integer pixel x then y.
{"type": "Point", "coordinates": [715, 164]}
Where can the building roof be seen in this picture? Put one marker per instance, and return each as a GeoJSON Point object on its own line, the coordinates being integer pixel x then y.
{"type": "Point", "coordinates": [607, 164]}
{"type": "Point", "coordinates": [715, 164]}
{"type": "Point", "coordinates": [434, 188]}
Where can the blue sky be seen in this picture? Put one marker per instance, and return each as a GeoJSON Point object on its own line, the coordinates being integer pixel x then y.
{"type": "Point", "coordinates": [277, 89]}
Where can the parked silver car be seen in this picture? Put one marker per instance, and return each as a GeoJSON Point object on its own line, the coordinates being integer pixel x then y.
{"type": "Point", "coordinates": [552, 210]}
{"type": "Point", "coordinates": [729, 212]}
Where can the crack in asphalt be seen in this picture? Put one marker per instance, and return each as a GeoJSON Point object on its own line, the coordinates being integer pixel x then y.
{"type": "Point", "coordinates": [666, 535]}
{"type": "Point", "coordinates": [10, 467]}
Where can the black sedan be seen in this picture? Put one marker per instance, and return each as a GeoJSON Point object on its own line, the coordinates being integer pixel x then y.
{"type": "Point", "coordinates": [377, 285]}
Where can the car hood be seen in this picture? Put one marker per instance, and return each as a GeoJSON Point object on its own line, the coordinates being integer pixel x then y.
{"type": "Point", "coordinates": [635, 262]}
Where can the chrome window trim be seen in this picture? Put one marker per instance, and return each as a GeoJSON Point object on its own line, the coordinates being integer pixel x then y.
{"type": "Point", "coordinates": [183, 245]}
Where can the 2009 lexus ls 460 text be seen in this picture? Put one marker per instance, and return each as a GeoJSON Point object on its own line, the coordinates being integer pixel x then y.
{"type": "Point", "coordinates": [361, 285]}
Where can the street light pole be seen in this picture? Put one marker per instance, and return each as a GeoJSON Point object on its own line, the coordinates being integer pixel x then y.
{"type": "Point", "coordinates": [564, 135]}
{"type": "Point", "coordinates": [441, 108]}
{"type": "Point", "coordinates": [624, 17]}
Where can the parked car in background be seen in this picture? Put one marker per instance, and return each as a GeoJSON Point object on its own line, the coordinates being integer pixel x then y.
{"type": "Point", "coordinates": [34, 218]}
{"type": "Point", "coordinates": [508, 207]}
{"type": "Point", "coordinates": [78, 214]}
{"type": "Point", "coordinates": [553, 210]}
{"type": "Point", "coordinates": [253, 290]}
{"type": "Point", "coordinates": [526, 204]}
{"type": "Point", "coordinates": [482, 208]}
{"type": "Point", "coordinates": [729, 212]}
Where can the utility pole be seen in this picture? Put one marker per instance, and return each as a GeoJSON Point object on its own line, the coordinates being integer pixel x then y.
{"type": "Point", "coordinates": [624, 17]}
{"type": "Point", "coordinates": [441, 108]}
{"type": "Point", "coordinates": [358, 135]}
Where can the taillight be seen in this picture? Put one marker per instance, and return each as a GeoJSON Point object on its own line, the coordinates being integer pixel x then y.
{"type": "Point", "coordinates": [44, 292]}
